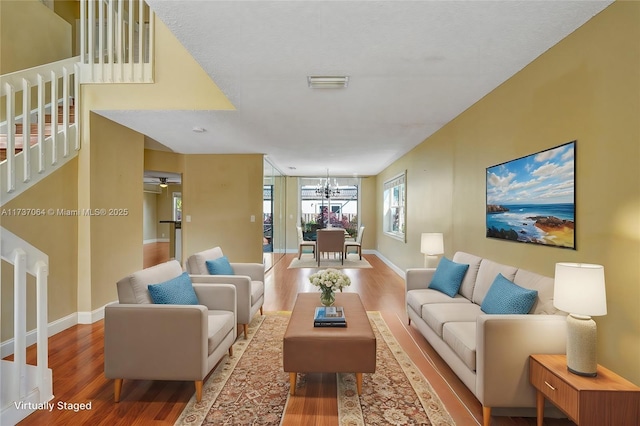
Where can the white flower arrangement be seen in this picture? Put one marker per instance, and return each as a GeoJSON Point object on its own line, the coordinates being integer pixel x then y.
{"type": "Point", "coordinates": [330, 279]}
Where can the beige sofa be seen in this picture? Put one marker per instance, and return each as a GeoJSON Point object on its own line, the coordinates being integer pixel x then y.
{"type": "Point", "coordinates": [489, 353]}
{"type": "Point", "coordinates": [146, 341]}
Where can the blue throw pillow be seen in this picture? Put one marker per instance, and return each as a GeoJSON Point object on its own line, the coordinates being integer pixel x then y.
{"type": "Point", "coordinates": [176, 291]}
{"type": "Point", "coordinates": [219, 266]}
{"type": "Point", "coordinates": [505, 297]}
{"type": "Point", "coordinates": [448, 277]}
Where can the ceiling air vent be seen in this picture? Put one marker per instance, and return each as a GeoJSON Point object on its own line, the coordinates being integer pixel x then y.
{"type": "Point", "coordinates": [327, 82]}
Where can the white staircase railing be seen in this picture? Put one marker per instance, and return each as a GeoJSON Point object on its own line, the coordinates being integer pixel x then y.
{"type": "Point", "coordinates": [25, 388]}
{"type": "Point", "coordinates": [55, 89]}
{"type": "Point", "coordinates": [116, 41]}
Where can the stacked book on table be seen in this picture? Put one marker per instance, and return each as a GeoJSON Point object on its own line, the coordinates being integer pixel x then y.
{"type": "Point", "coordinates": [331, 316]}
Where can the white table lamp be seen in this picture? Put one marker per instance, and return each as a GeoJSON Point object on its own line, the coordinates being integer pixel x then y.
{"type": "Point", "coordinates": [579, 290]}
{"type": "Point", "coordinates": [431, 244]}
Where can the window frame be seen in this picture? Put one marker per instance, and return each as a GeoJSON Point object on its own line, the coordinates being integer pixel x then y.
{"type": "Point", "coordinates": [397, 185]}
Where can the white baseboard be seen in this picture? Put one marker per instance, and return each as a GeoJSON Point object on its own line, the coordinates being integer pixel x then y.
{"type": "Point", "coordinates": [387, 262]}
{"type": "Point", "coordinates": [91, 317]}
{"type": "Point", "coordinates": [55, 327]}
{"type": "Point", "coordinates": [156, 240]}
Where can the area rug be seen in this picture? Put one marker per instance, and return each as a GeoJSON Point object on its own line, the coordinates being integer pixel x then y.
{"type": "Point", "coordinates": [308, 261]}
{"type": "Point", "coordinates": [251, 388]}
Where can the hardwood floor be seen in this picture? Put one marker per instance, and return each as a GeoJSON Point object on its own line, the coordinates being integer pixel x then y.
{"type": "Point", "coordinates": [154, 254]}
{"type": "Point", "coordinates": [76, 358]}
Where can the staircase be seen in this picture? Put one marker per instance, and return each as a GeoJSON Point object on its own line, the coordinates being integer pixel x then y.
{"type": "Point", "coordinates": [40, 134]}
{"type": "Point", "coordinates": [33, 131]}
{"type": "Point", "coordinates": [53, 88]}
{"type": "Point", "coordinates": [24, 387]}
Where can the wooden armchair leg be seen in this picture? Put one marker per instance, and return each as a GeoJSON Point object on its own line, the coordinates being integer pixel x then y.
{"type": "Point", "coordinates": [117, 389]}
{"type": "Point", "coordinates": [231, 350]}
{"type": "Point", "coordinates": [245, 327]}
{"type": "Point", "coordinates": [261, 311]}
{"type": "Point", "coordinates": [198, 390]}
{"type": "Point", "coordinates": [486, 416]}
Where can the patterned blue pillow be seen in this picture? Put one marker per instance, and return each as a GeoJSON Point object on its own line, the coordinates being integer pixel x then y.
{"type": "Point", "coordinates": [448, 277]}
{"type": "Point", "coordinates": [219, 266]}
{"type": "Point", "coordinates": [176, 291]}
{"type": "Point", "coordinates": [505, 297]}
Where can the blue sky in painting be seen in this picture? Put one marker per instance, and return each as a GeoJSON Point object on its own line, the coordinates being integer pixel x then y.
{"type": "Point", "coordinates": [543, 178]}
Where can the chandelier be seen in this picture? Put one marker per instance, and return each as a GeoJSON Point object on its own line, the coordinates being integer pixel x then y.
{"type": "Point", "coordinates": [326, 189]}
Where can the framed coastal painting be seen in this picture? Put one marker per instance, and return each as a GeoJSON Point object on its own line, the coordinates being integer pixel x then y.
{"type": "Point", "coordinates": [532, 199]}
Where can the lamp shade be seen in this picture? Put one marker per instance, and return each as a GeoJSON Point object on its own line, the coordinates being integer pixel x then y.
{"type": "Point", "coordinates": [432, 243]}
{"type": "Point", "coordinates": [579, 289]}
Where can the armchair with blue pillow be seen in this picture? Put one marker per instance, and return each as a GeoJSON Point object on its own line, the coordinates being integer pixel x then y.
{"type": "Point", "coordinates": [167, 326]}
{"type": "Point", "coordinates": [213, 267]}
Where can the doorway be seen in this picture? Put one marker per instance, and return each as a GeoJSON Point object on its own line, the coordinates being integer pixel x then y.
{"type": "Point", "coordinates": [162, 217]}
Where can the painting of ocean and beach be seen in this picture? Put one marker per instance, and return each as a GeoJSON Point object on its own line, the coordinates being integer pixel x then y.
{"type": "Point", "coordinates": [532, 199]}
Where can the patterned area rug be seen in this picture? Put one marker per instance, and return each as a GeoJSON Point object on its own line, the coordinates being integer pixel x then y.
{"type": "Point", "coordinates": [308, 261]}
{"type": "Point", "coordinates": [252, 389]}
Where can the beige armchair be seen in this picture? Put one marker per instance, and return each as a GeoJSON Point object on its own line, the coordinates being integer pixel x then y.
{"type": "Point", "coordinates": [357, 243]}
{"type": "Point", "coordinates": [146, 341]}
{"type": "Point", "coordinates": [302, 243]}
{"type": "Point", "coordinates": [248, 280]}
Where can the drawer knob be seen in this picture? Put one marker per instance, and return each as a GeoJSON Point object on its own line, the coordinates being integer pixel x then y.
{"type": "Point", "coordinates": [550, 387]}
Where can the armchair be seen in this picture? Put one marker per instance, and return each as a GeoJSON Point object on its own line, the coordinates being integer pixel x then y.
{"type": "Point", "coordinates": [146, 341]}
{"type": "Point", "coordinates": [248, 280]}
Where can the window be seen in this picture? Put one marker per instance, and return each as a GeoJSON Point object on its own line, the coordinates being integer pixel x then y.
{"type": "Point", "coordinates": [336, 203]}
{"type": "Point", "coordinates": [394, 207]}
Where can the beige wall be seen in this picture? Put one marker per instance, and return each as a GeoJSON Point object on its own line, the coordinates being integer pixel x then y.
{"type": "Point", "coordinates": [150, 216]}
{"type": "Point", "coordinates": [368, 212]}
{"type": "Point", "coordinates": [220, 193]}
{"type": "Point", "coordinates": [585, 88]}
{"type": "Point", "coordinates": [117, 161]}
{"type": "Point", "coordinates": [31, 34]}
{"type": "Point", "coordinates": [55, 235]}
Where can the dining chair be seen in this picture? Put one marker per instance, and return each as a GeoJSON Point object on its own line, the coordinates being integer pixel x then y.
{"type": "Point", "coordinates": [330, 240]}
{"type": "Point", "coordinates": [357, 243]}
{"type": "Point", "coordinates": [302, 243]}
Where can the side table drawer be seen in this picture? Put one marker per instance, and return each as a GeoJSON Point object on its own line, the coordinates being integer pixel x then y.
{"type": "Point", "coordinates": [555, 390]}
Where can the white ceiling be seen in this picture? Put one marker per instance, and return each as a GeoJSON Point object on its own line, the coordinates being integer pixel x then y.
{"type": "Point", "coordinates": [413, 67]}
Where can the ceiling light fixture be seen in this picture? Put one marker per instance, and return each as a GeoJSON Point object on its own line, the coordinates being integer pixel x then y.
{"type": "Point", "coordinates": [327, 82]}
{"type": "Point", "coordinates": [199, 129]}
{"type": "Point", "coordinates": [163, 182]}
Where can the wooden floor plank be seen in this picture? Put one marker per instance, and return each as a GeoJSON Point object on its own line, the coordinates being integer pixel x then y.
{"type": "Point", "coordinates": [77, 357]}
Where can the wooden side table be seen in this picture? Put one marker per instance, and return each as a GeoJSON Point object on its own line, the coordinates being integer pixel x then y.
{"type": "Point", "coordinates": [606, 399]}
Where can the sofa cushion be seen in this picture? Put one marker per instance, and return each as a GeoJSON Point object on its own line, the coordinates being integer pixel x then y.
{"type": "Point", "coordinates": [219, 266]}
{"type": "Point", "coordinates": [417, 298]}
{"type": "Point", "coordinates": [505, 297]}
{"type": "Point", "coordinates": [448, 277]}
{"type": "Point", "coordinates": [219, 325]}
{"type": "Point", "coordinates": [487, 273]}
{"type": "Point", "coordinates": [176, 291]}
{"type": "Point", "coordinates": [469, 281]}
{"type": "Point", "coordinates": [461, 338]}
{"type": "Point", "coordinates": [436, 315]}
{"type": "Point", "coordinates": [544, 286]}
{"type": "Point", "coordinates": [133, 288]}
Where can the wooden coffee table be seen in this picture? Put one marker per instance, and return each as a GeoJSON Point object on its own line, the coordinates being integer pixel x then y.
{"type": "Point", "coordinates": [309, 349]}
